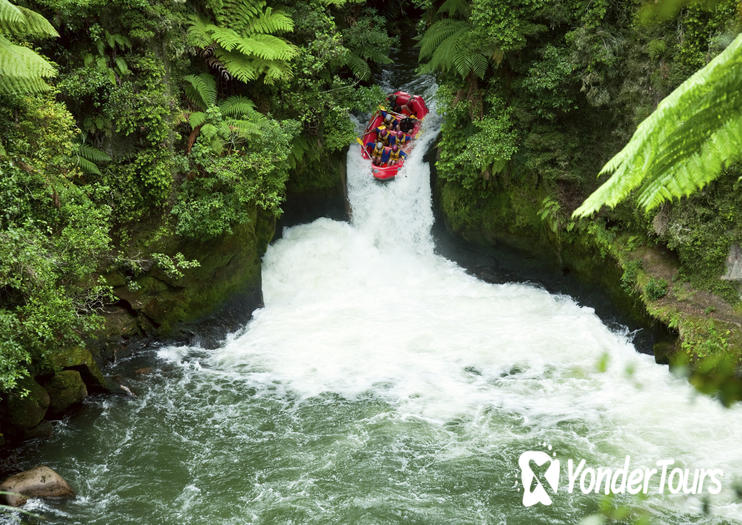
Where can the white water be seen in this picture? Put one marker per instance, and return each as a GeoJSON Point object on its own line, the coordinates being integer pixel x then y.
{"type": "Point", "coordinates": [382, 384]}
{"type": "Point", "coordinates": [368, 307]}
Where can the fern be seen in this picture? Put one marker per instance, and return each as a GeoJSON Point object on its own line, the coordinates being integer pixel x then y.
{"type": "Point", "coordinates": [243, 40]}
{"type": "Point", "coordinates": [196, 119]}
{"type": "Point", "coordinates": [454, 7]}
{"type": "Point", "coordinates": [21, 69]}
{"type": "Point", "coordinates": [358, 66]}
{"type": "Point", "coordinates": [93, 154]}
{"type": "Point", "coordinates": [201, 90]}
{"type": "Point", "coordinates": [87, 156]}
{"type": "Point", "coordinates": [692, 135]}
{"type": "Point", "coordinates": [10, 15]}
{"type": "Point", "coordinates": [237, 106]}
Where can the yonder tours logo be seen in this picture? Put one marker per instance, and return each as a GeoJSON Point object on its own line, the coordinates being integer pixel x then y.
{"type": "Point", "coordinates": [540, 475]}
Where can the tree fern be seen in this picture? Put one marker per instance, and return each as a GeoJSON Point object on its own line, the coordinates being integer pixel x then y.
{"type": "Point", "coordinates": [201, 90]}
{"type": "Point", "coordinates": [21, 69]}
{"type": "Point", "coordinates": [684, 144]}
{"type": "Point", "coordinates": [242, 42]}
{"type": "Point", "coordinates": [450, 45]}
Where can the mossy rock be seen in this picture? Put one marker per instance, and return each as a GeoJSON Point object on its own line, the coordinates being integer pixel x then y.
{"type": "Point", "coordinates": [28, 411]}
{"type": "Point", "coordinates": [65, 388]}
{"type": "Point", "coordinates": [81, 360]}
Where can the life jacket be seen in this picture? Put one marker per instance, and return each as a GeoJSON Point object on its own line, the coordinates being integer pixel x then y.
{"type": "Point", "coordinates": [392, 138]}
{"type": "Point", "coordinates": [394, 156]}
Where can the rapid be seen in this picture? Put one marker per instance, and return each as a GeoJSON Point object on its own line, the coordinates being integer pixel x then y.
{"type": "Point", "coordinates": [381, 383]}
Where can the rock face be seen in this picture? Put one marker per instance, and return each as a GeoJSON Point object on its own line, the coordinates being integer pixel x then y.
{"type": "Point", "coordinates": [734, 264]}
{"type": "Point", "coordinates": [39, 482]}
{"type": "Point", "coordinates": [66, 388]}
{"type": "Point", "coordinates": [81, 359]}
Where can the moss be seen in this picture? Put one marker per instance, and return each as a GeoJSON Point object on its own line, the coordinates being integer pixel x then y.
{"type": "Point", "coordinates": [65, 388]}
{"type": "Point", "coordinates": [81, 359]}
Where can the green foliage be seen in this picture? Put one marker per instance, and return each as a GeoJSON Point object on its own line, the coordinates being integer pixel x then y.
{"type": "Point", "coordinates": [684, 144]}
{"type": "Point", "coordinates": [451, 45]}
{"type": "Point", "coordinates": [52, 239]}
{"type": "Point", "coordinates": [656, 288]}
{"type": "Point", "coordinates": [474, 150]}
{"type": "Point", "coordinates": [22, 70]}
{"type": "Point", "coordinates": [630, 275]}
{"type": "Point", "coordinates": [223, 190]}
{"type": "Point", "coordinates": [174, 266]}
{"type": "Point", "coordinates": [243, 40]}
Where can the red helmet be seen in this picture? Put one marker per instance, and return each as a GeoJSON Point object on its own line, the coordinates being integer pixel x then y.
{"type": "Point", "coordinates": [395, 148]}
{"type": "Point", "coordinates": [383, 133]}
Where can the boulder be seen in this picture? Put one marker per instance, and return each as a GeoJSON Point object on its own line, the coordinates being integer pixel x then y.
{"type": "Point", "coordinates": [27, 411]}
{"type": "Point", "coordinates": [39, 482]}
{"type": "Point", "coordinates": [66, 388]}
{"type": "Point", "coordinates": [82, 360]}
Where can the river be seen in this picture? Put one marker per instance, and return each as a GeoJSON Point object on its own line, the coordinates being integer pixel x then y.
{"type": "Point", "coordinates": [381, 383]}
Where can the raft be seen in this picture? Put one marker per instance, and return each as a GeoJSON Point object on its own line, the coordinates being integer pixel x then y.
{"type": "Point", "coordinates": [420, 110]}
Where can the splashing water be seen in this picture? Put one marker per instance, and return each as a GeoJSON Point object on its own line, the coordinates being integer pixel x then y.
{"type": "Point", "coordinates": [382, 384]}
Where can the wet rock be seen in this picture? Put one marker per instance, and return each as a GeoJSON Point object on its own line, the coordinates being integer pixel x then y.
{"type": "Point", "coordinates": [43, 430]}
{"type": "Point", "coordinates": [663, 350]}
{"type": "Point", "coordinates": [65, 388]}
{"type": "Point", "coordinates": [81, 360]}
{"type": "Point", "coordinates": [143, 371]}
{"type": "Point", "coordinates": [28, 411]}
{"type": "Point", "coordinates": [39, 482]}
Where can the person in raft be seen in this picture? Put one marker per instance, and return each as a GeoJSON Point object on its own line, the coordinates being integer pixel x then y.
{"type": "Point", "coordinates": [407, 124]}
{"type": "Point", "coordinates": [389, 120]}
{"type": "Point", "coordinates": [376, 150]}
{"type": "Point", "coordinates": [385, 156]}
{"type": "Point", "coordinates": [395, 155]}
{"type": "Point", "coordinates": [393, 138]}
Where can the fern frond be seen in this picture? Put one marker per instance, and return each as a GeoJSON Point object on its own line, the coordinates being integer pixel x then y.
{"type": "Point", "coordinates": [10, 16]}
{"type": "Point", "coordinates": [454, 7]}
{"type": "Point", "coordinates": [198, 32]}
{"type": "Point", "coordinates": [440, 31]}
{"type": "Point", "coordinates": [275, 71]}
{"type": "Point", "coordinates": [88, 166]}
{"type": "Point", "coordinates": [20, 85]}
{"type": "Point", "coordinates": [36, 25]}
{"type": "Point", "coordinates": [239, 66]}
{"type": "Point", "coordinates": [201, 90]}
{"type": "Point", "coordinates": [358, 66]}
{"type": "Point", "coordinates": [684, 143]}
{"type": "Point", "coordinates": [196, 119]}
{"type": "Point", "coordinates": [244, 128]}
{"type": "Point", "coordinates": [239, 13]}
{"type": "Point", "coordinates": [237, 106]}
{"type": "Point", "coordinates": [269, 22]}
{"type": "Point", "coordinates": [19, 61]}
{"type": "Point", "coordinates": [93, 154]}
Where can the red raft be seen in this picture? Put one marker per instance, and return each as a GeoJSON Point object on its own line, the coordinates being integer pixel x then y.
{"type": "Point", "coordinates": [411, 106]}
